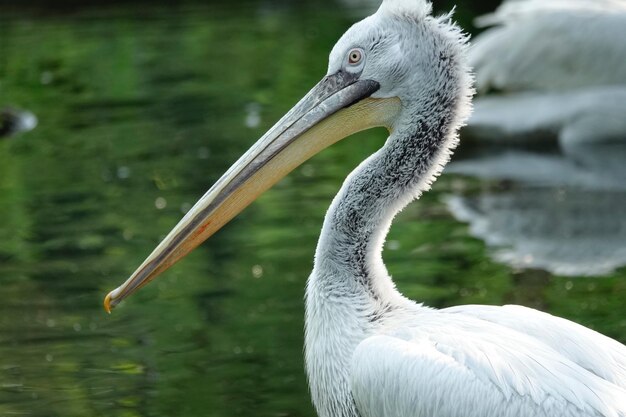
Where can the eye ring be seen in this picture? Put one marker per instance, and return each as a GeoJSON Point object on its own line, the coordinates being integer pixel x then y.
{"type": "Point", "coordinates": [355, 56]}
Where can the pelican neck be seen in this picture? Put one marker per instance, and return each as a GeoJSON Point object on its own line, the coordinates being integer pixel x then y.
{"type": "Point", "coordinates": [358, 220]}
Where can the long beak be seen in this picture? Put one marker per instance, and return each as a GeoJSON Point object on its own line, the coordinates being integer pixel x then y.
{"type": "Point", "coordinates": [336, 107]}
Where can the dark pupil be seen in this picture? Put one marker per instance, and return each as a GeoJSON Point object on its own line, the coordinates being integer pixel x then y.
{"type": "Point", "coordinates": [355, 56]}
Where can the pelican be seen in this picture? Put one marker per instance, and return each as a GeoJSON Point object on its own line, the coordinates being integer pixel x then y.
{"type": "Point", "coordinates": [371, 352]}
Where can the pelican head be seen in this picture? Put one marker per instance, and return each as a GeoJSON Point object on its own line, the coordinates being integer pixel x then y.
{"type": "Point", "coordinates": [385, 70]}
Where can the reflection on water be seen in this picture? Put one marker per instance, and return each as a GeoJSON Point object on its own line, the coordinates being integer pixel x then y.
{"type": "Point", "coordinates": [563, 210]}
{"type": "Point", "coordinates": [139, 112]}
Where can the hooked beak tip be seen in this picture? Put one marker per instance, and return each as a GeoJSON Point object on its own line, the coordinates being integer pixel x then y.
{"type": "Point", "coordinates": [107, 303]}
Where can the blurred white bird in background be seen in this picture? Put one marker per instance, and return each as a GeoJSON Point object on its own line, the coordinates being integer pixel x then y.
{"type": "Point", "coordinates": [551, 77]}
{"type": "Point", "coordinates": [559, 67]}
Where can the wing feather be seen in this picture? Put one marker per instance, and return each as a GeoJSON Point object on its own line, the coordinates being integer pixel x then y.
{"type": "Point", "coordinates": [589, 349]}
{"type": "Point", "coordinates": [466, 367]}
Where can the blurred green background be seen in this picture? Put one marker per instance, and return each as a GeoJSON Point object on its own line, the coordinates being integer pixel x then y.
{"type": "Point", "coordinates": [141, 107]}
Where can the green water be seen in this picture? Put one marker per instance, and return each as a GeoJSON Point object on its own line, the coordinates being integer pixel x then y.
{"type": "Point", "coordinates": [141, 109]}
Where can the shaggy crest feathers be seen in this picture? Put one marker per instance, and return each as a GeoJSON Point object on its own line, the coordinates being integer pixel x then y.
{"type": "Point", "coordinates": [409, 8]}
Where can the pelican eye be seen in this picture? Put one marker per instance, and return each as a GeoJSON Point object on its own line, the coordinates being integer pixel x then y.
{"type": "Point", "coordinates": [355, 56]}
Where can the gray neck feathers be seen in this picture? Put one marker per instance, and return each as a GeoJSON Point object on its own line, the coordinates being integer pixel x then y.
{"type": "Point", "coordinates": [350, 247]}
